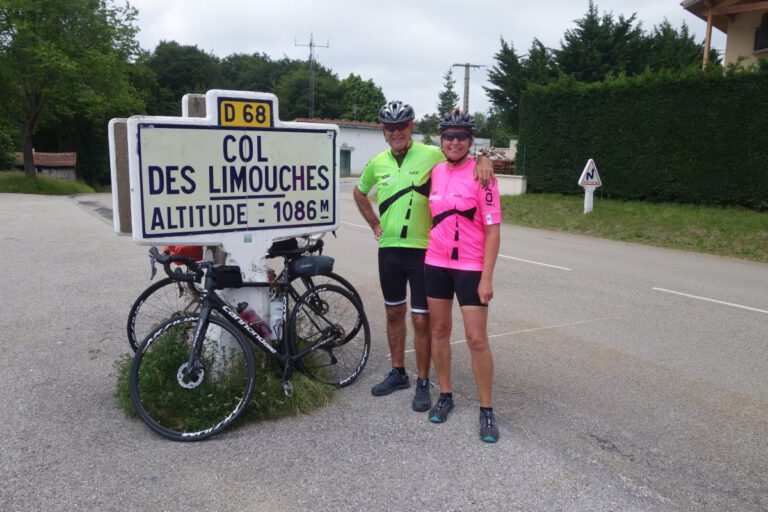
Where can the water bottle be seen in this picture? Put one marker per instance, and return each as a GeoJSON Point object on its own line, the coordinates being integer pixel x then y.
{"type": "Point", "coordinates": [253, 319]}
{"type": "Point", "coordinates": [276, 318]}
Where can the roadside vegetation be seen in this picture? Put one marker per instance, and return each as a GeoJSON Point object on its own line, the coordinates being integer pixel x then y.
{"type": "Point", "coordinates": [18, 183]}
{"type": "Point", "coordinates": [268, 401]}
{"type": "Point", "coordinates": [725, 231]}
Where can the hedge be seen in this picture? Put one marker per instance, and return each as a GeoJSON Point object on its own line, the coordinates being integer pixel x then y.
{"type": "Point", "coordinates": [692, 137]}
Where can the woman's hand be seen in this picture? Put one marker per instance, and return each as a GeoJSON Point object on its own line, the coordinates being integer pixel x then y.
{"type": "Point", "coordinates": [485, 290]}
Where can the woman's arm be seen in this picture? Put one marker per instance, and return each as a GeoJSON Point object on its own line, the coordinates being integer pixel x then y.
{"type": "Point", "coordinates": [492, 243]}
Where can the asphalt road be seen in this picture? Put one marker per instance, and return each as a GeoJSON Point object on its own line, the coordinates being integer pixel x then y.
{"type": "Point", "coordinates": [627, 378]}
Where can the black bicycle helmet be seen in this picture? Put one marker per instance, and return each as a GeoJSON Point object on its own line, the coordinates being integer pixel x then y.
{"type": "Point", "coordinates": [457, 119]}
{"type": "Point", "coordinates": [396, 112]}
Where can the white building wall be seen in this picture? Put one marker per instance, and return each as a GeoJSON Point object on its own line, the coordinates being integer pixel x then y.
{"type": "Point", "coordinates": [363, 143]}
{"type": "Point", "coordinates": [741, 38]}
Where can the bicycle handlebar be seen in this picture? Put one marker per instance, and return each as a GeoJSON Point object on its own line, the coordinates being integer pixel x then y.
{"type": "Point", "coordinates": [310, 248]}
{"type": "Point", "coordinates": [166, 259]}
{"type": "Point", "coordinates": [196, 269]}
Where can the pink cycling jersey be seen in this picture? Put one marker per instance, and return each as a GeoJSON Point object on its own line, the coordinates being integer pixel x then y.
{"type": "Point", "coordinates": [461, 208]}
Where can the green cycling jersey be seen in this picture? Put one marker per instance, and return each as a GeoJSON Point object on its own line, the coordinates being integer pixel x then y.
{"type": "Point", "coordinates": [402, 193]}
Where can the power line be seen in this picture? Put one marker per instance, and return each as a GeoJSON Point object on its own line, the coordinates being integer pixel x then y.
{"type": "Point", "coordinates": [312, 47]}
{"type": "Point", "coordinates": [466, 82]}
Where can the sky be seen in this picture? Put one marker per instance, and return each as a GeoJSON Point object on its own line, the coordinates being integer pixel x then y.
{"type": "Point", "coordinates": [405, 47]}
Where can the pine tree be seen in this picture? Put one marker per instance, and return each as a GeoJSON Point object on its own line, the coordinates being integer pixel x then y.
{"type": "Point", "coordinates": [448, 100]}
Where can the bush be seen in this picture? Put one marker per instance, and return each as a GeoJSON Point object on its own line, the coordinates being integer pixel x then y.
{"type": "Point", "coordinates": [690, 136]}
{"type": "Point", "coordinates": [8, 158]}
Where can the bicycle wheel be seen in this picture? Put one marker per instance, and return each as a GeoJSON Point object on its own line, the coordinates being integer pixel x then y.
{"type": "Point", "coordinates": [167, 298]}
{"type": "Point", "coordinates": [332, 321]}
{"type": "Point", "coordinates": [304, 283]}
{"type": "Point", "coordinates": [186, 404]}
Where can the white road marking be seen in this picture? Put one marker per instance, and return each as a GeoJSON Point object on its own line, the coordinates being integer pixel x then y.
{"type": "Point", "coordinates": [500, 255]}
{"type": "Point", "coordinates": [544, 328]}
{"type": "Point", "coordinates": [355, 225]}
{"type": "Point", "coordinates": [710, 300]}
{"type": "Point", "coordinates": [533, 262]}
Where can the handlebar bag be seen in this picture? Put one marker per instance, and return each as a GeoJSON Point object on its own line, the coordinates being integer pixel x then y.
{"type": "Point", "coordinates": [311, 266]}
{"type": "Point", "coordinates": [227, 276]}
{"type": "Point", "coordinates": [190, 251]}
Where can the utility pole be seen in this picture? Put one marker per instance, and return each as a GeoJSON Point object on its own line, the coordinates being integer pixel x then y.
{"type": "Point", "coordinates": [466, 82]}
{"type": "Point", "coordinates": [312, 47]}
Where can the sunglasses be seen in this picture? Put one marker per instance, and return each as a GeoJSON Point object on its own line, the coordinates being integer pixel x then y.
{"type": "Point", "coordinates": [396, 127]}
{"type": "Point", "coordinates": [460, 136]}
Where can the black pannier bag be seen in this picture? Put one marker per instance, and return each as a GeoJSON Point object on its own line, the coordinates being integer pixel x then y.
{"type": "Point", "coordinates": [227, 276]}
{"type": "Point", "coordinates": [311, 266]}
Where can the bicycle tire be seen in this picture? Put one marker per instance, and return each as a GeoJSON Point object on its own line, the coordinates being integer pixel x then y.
{"type": "Point", "coordinates": [184, 408]}
{"type": "Point", "coordinates": [168, 298]}
{"type": "Point", "coordinates": [323, 311]}
{"type": "Point", "coordinates": [329, 278]}
{"type": "Point", "coordinates": [162, 300]}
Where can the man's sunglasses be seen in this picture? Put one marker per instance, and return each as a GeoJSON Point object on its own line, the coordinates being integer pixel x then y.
{"type": "Point", "coordinates": [396, 126]}
{"type": "Point", "coordinates": [460, 136]}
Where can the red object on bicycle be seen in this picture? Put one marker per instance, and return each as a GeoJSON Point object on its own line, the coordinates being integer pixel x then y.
{"type": "Point", "coordinates": [190, 251]}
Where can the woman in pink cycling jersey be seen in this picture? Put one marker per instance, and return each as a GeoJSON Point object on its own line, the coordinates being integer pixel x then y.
{"type": "Point", "coordinates": [463, 245]}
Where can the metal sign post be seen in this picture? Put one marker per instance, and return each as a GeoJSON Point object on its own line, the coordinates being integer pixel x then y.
{"type": "Point", "coordinates": [589, 180]}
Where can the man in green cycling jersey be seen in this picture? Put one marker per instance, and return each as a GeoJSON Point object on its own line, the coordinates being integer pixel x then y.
{"type": "Point", "coordinates": [402, 179]}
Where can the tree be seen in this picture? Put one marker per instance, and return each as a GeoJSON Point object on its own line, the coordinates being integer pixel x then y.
{"type": "Point", "coordinates": [361, 100]}
{"type": "Point", "coordinates": [601, 46]}
{"type": "Point", "coordinates": [481, 125]}
{"type": "Point", "coordinates": [58, 58]}
{"type": "Point", "coordinates": [293, 93]}
{"type": "Point", "coordinates": [428, 124]}
{"type": "Point", "coordinates": [509, 82]}
{"type": "Point", "coordinates": [539, 67]}
{"type": "Point", "coordinates": [669, 49]}
{"type": "Point", "coordinates": [7, 149]}
{"type": "Point", "coordinates": [183, 69]}
{"type": "Point", "coordinates": [448, 100]}
{"type": "Point", "coordinates": [256, 72]}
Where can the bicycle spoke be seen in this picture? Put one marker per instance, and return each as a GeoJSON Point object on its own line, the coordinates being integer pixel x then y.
{"type": "Point", "coordinates": [184, 402]}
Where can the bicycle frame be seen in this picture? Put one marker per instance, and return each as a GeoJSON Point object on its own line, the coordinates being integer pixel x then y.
{"type": "Point", "coordinates": [212, 302]}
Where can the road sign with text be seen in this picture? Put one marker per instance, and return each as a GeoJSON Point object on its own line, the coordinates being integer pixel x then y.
{"type": "Point", "coordinates": [238, 170]}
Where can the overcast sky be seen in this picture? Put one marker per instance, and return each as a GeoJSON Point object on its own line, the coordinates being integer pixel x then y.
{"type": "Point", "coordinates": [405, 47]}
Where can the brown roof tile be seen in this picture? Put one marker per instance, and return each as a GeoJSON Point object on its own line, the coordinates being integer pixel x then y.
{"type": "Point", "coordinates": [51, 159]}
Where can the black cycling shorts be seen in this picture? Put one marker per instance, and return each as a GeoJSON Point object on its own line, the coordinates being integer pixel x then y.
{"type": "Point", "coordinates": [399, 266]}
{"type": "Point", "coordinates": [443, 283]}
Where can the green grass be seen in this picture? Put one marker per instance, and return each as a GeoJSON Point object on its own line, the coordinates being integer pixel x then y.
{"type": "Point", "coordinates": [724, 231]}
{"type": "Point", "coordinates": [267, 403]}
{"type": "Point", "coordinates": [18, 183]}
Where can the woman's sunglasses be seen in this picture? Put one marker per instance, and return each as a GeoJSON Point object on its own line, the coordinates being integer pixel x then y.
{"type": "Point", "coordinates": [460, 136]}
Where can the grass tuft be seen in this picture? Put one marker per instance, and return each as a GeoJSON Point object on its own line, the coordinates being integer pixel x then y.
{"type": "Point", "coordinates": [268, 401]}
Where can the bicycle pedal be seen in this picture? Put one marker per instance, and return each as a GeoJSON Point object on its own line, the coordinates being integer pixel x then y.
{"type": "Point", "coordinates": [288, 388]}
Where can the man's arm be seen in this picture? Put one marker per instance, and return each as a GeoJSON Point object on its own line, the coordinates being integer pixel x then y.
{"type": "Point", "coordinates": [484, 170]}
{"type": "Point", "coordinates": [366, 209]}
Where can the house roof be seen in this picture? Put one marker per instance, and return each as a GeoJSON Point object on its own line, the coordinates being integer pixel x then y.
{"type": "Point", "coordinates": [341, 122]}
{"type": "Point", "coordinates": [722, 10]}
{"type": "Point", "coordinates": [51, 159]}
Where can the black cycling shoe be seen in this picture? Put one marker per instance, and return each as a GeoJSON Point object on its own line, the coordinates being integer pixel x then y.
{"type": "Point", "coordinates": [489, 430]}
{"type": "Point", "coordinates": [394, 381]}
{"type": "Point", "coordinates": [439, 412]}
{"type": "Point", "coordinates": [422, 400]}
